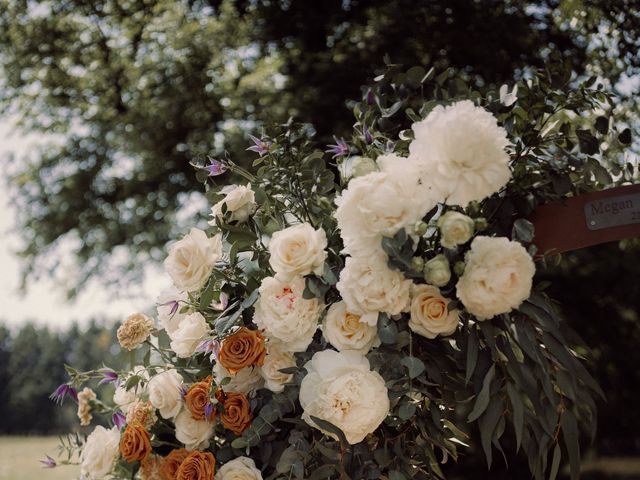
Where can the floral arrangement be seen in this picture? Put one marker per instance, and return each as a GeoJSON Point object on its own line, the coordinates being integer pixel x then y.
{"type": "Point", "coordinates": [368, 311]}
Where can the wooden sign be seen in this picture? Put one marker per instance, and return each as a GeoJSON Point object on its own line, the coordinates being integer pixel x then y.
{"type": "Point", "coordinates": [587, 219]}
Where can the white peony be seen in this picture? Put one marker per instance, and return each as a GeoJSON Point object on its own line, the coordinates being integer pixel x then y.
{"type": "Point", "coordinates": [169, 303]}
{"type": "Point", "coordinates": [455, 229]}
{"type": "Point", "coordinates": [247, 380]}
{"type": "Point", "coordinates": [284, 315]}
{"type": "Point", "coordinates": [276, 359]}
{"type": "Point", "coordinates": [430, 314]}
{"type": "Point", "coordinates": [194, 434]}
{"type": "Point", "coordinates": [462, 149]}
{"type": "Point", "coordinates": [497, 277]}
{"type": "Point", "coordinates": [125, 398]}
{"type": "Point", "coordinates": [100, 452]}
{"type": "Point", "coordinates": [346, 331]}
{"type": "Point", "coordinates": [240, 202]}
{"type": "Point", "coordinates": [191, 331]}
{"type": "Point", "coordinates": [164, 393]}
{"type": "Point", "coordinates": [297, 251]}
{"type": "Point", "coordinates": [379, 204]}
{"type": "Point", "coordinates": [241, 468]}
{"type": "Point", "coordinates": [341, 389]}
{"type": "Point", "coordinates": [368, 286]}
{"type": "Point", "coordinates": [191, 259]}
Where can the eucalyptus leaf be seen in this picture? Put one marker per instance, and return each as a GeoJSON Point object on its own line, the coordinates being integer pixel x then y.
{"type": "Point", "coordinates": [482, 400]}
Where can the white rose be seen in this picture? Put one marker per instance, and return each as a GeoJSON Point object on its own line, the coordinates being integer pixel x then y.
{"type": "Point", "coordinates": [430, 315]}
{"type": "Point", "coordinates": [194, 434]}
{"type": "Point", "coordinates": [100, 452]}
{"type": "Point", "coordinates": [461, 149]}
{"type": "Point", "coordinates": [497, 277]}
{"type": "Point", "coordinates": [455, 229]}
{"type": "Point", "coordinates": [379, 204]}
{"type": "Point", "coordinates": [368, 286]}
{"type": "Point", "coordinates": [241, 468]}
{"type": "Point", "coordinates": [169, 303]}
{"type": "Point", "coordinates": [437, 271]}
{"type": "Point", "coordinates": [247, 380]}
{"type": "Point", "coordinates": [340, 388]}
{"type": "Point", "coordinates": [346, 331]}
{"type": "Point", "coordinates": [240, 202]}
{"type": "Point", "coordinates": [191, 331]}
{"type": "Point", "coordinates": [284, 315]}
{"type": "Point", "coordinates": [355, 166]}
{"type": "Point", "coordinates": [125, 398]}
{"type": "Point", "coordinates": [164, 393]}
{"type": "Point", "coordinates": [276, 359]}
{"type": "Point", "coordinates": [297, 251]}
{"type": "Point", "coordinates": [191, 259]}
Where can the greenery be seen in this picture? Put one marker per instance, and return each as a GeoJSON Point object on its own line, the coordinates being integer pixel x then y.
{"type": "Point", "coordinates": [138, 89]}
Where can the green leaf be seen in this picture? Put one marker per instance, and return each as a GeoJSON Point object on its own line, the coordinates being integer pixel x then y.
{"type": "Point", "coordinates": [482, 400]}
{"type": "Point", "coordinates": [239, 443]}
{"type": "Point", "coordinates": [522, 230]}
{"type": "Point", "coordinates": [330, 427]}
{"type": "Point", "coordinates": [569, 426]}
{"type": "Point", "coordinates": [207, 295]}
{"type": "Point", "coordinates": [414, 365]}
{"type": "Point", "coordinates": [555, 463]}
{"type": "Point", "coordinates": [472, 354]}
{"type": "Point", "coordinates": [602, 125]}
{"type": "Point", "coordinates": [407, 411]}
{"type": "Point", "coordinates": [396, 475]}
{"type": "Point", "coordinates": [588, 143]}
{"type": "Point", "coordinates": [387, 330]}
{"type": "Point", "coordinates": [625, 136]}
{"type": "Point", "coordinates": [518, 413]}
{"type": "Point", "coordinates": [487, 425]}
{"type": "Point", "coordinates": [323, 472]}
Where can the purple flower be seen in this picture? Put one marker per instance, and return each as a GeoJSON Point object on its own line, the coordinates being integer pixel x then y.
{"type": "Point", "coordinates": [63, 390]}
{"type": "Point", "coordinates": [260, 146]}
{"type": "Point", "coordinates": [183, 391]}
{"type": "Point", "coordinates": [211, 346]}
{"type": "Point", "coordinates": [174, 306]}
{"type": "Point", "coordinates": [48, 462]}
{"type": "Point", "coordinates": [215, 168]}
{"type": "Point", "coordinates": [339, 149]}
{"type": "Point", "coordinates": [367, 135]}
{"type": "Point", "coordinates": [118, 420]}
{"type": "Point", "coordinates": [370, 97]}
{"type": "Point", "coordinates": [108, 376]}
{"type": "Point", "coordinates": [208, 411]}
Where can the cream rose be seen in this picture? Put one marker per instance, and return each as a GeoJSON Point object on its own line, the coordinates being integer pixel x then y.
{"type": "Point", "coordinates": [455, 229]}
{"type": "Point", "coordinates": [240, 202]}
{"type": "Point", "coordinates": [191, 259]}
{"type": "Point", "coordinates": [437, 271]}
{"type": "Point", "coordinates": [100, 452]}
{"type": "Point", "coordinates": [497, 277]}
{"type": "Point", "coordinates": [191, 331]}
{"type": "Point", "coordinates": [346, 331]}
{"type": "Point", "coordinates": [169, 305]}
{"type": "Point", "coordinates": [430, 315]}
{"type": "Point", "coordinates": [277, 358]}
{"type": "Point", "coordinates": [125, 398]}
{"type": "Point", "coordinates": [297, 251]}
{"type": "Point", "coordinates": [194, 434]}
{"type": "Point", "coordinates": [164, 393]}
{"type": "Point", "coordinates": [368, 286]}
{"type": "Point", "coordinates": [462, 151]}
{"type": "Point", "coordinates": [241, 468]}
{"type": "Point", "coordinates": [284, 315]}
{"type": "Point", "coordinates": [340, 388]}
{"type": "Point", "coordinates": [245, 381]}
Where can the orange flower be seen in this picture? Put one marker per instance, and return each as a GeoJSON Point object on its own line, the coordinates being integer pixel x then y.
{"type": "Point", "coordinates": [151, 468]}
{"type": "Point", "coordinates": [237, 413]}
{"type": "Point", "coordinates": [172, 462]}
{"type": "Point", "coordinates": [197, 398]}
{"type": "Point", "coordinates": [135, 443]}
{"type": "Point", "coordinates": [242, 349]}
{"type": "Point", "coordinates": [197, 466]}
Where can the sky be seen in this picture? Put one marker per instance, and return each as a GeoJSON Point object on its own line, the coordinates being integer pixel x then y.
{"type": "Point", "coordinates": [45, 301]}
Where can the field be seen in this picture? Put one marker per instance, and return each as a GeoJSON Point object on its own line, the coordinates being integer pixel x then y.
{"type": "Point", "coordinates": [19, 459]}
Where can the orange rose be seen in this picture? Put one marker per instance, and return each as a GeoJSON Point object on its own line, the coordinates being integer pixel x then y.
{"type": "Point", "coordinates": [135, 443]}
{"type": "Point", "coordinates": [242, 349]}
{"type": "Point", "coordinates": [197, 398]}
{"type": "Point", "coordinates": [237, 413]}
{"type": "Point", "coordinates": [172, 462]}
{"type": "Point", "coordinates": [151, 468]}
{"type": "Point", "coordinates": [197, 466]}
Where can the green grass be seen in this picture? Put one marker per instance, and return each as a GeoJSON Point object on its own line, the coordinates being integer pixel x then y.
{"type": "Point", "coordinates": [19, 459]}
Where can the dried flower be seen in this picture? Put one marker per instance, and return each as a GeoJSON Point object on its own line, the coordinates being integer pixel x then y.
{"type": "Point", "coordinates": [85, 397]}
{"type": "Point", "coordinates": [134, 330]}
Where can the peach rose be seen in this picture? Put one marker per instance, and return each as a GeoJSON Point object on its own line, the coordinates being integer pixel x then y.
{"type": "Point", "coordinates": [430, 314]}
{"type": "Point", "coordinates": [237, 412]}
{"type": "Point", "coordinates": [197, 398]}
{"type": "Point", "coordinates": [172, 462]}
{"type": "Point", "coordinates": [242, 349]}
{"type": "Point", "coordinates": [135, 444]}
{"type": "Point", "coordinates": [197, 466]}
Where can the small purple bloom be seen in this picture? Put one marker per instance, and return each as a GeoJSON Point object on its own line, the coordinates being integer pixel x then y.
{"type": "Point", "coordinates": [118, 420]}
{"type": "Point", "coordinates": [215, 168]}
{"type": "Point", "coordinates": [370, 97]}
{"type": "Point", "coordinates": [222, 304]}
{"type": "Point", "coordinates": [211, 346]}
{"type": "Point", "coordinates": [63, 390]}
{"type": "Point", "coordinates": [390, 147]}
{"type": "Point", "coordinates": [183, 392]}
{"type": "Point", "coordinates": [48, 462]}
{"type": "Point", "coordinates": [174, 306]}
{"type": "Point", "coordinates": [260, 146]}
{"type": "Point", "coordinates": [208, 411]}
{"type": "Point", "coordinates": [340, 149]}
{"type": "Point", "coordinates": [108, 376]}
{"type": "Point", "coordinates": [367, 135]}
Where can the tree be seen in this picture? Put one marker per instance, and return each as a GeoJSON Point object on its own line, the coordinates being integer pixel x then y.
{"type": "Point", "coordinates": [138, 89]}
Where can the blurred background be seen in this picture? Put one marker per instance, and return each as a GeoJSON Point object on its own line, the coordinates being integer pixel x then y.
{"type": "Point", "coordinates": [104, 104]}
